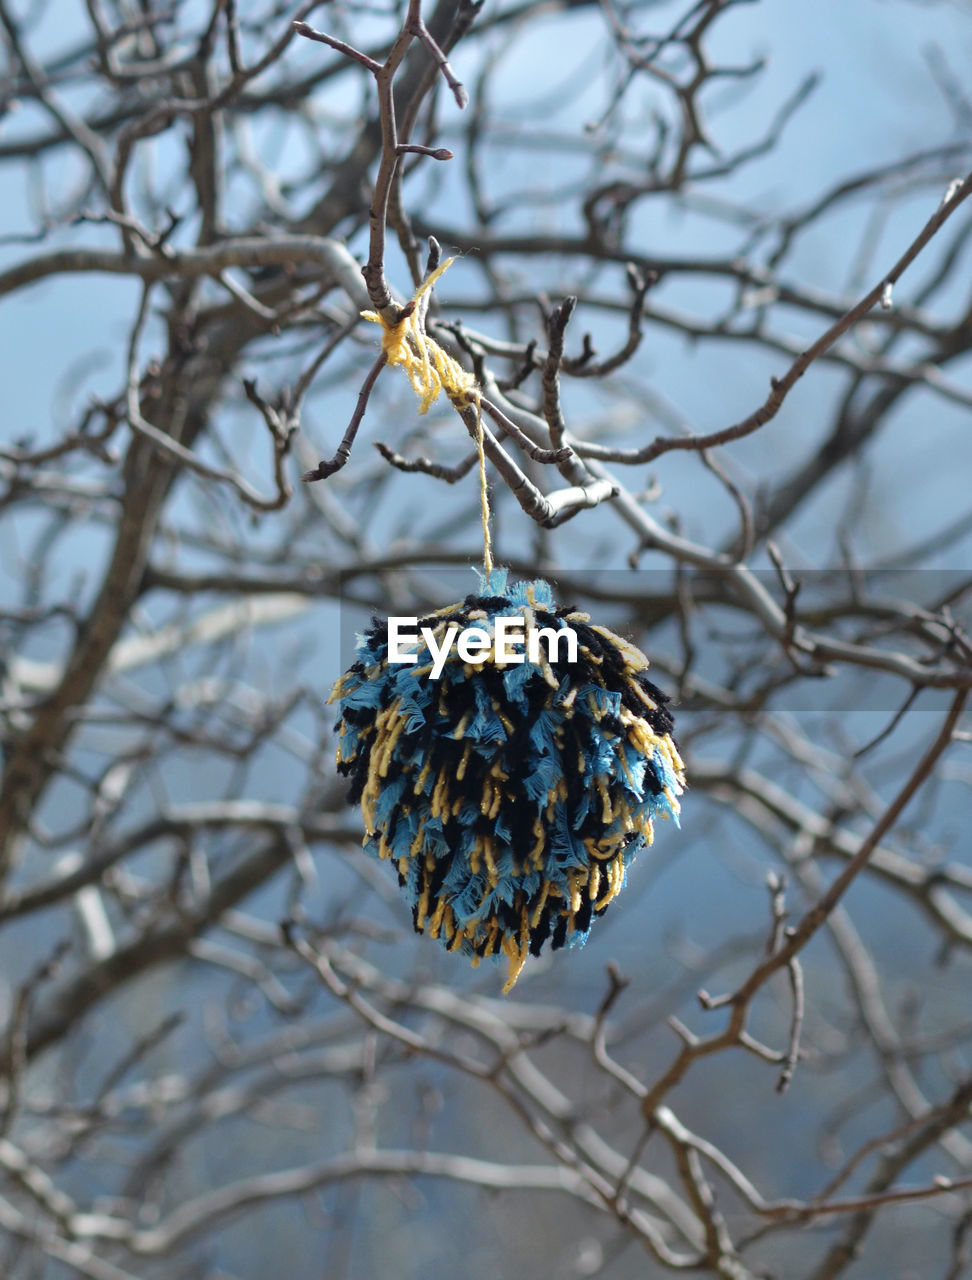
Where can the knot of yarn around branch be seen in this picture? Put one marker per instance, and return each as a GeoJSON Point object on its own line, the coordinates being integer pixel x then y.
{"type": "Point", "coordinates": [429, 368]}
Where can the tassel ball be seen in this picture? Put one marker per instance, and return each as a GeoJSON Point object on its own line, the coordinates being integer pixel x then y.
{"type": "Point", "coordinates": [511, 796]}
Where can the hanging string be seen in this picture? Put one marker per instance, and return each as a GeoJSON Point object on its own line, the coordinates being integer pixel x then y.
{"type": "Point", "coordinates": [483, 492]}
{"type": "Point", "coordinates": [430, 369]}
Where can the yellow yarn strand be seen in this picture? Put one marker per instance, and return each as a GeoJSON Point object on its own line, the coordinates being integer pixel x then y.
{"type": "Point", "coordinates": [430, 370]}
{"type": "Point", "coordinates": [483, 492]}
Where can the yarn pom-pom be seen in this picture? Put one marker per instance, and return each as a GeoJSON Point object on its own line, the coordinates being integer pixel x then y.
{"type": "Point", "coordinates": [511, 795]}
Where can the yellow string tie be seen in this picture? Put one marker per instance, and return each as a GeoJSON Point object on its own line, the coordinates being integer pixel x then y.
{"type": "Point", "coordinates": [430, 369]}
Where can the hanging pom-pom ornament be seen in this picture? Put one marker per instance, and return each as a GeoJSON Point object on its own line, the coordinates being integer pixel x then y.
{"type": "Point", "coordinates": [511, 795]}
